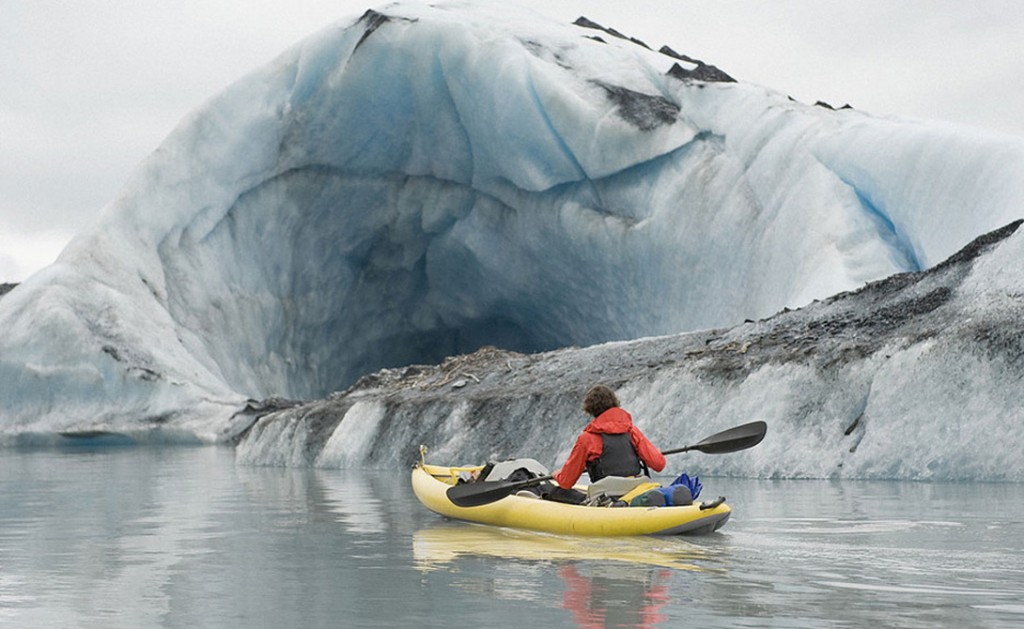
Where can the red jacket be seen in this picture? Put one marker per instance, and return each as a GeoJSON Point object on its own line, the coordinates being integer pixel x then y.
{"type": "Point", "coordinates": [589, 445]}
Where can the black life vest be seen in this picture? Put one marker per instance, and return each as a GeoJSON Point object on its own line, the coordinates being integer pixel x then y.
{"type": "Point", "coordinates": [618, 458]}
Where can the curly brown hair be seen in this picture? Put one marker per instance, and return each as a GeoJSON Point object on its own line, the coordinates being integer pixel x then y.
{"type": "Point", "coordinates": [599, 399]}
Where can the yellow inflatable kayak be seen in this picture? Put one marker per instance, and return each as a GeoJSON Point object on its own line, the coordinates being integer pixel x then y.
{"type": "Point", "coordinates": [430, 483]}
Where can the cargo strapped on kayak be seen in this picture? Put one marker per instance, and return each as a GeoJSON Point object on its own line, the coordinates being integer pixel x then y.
{"type": "Point", "coordinates": [503, 469]}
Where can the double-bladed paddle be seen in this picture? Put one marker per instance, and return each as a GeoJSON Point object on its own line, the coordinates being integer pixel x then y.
{"type": "Point", "coordinates": [486, 492]}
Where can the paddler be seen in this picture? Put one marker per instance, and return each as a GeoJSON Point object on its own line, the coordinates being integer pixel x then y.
{"type": "Point", "coordinates": [610, 445]}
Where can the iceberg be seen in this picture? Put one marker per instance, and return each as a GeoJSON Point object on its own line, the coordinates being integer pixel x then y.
{"type": "Point", "coordinates": [420, 182]}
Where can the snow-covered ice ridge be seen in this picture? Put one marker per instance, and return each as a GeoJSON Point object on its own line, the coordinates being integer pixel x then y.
{"type": "Point", "coordinates": [422, 181]}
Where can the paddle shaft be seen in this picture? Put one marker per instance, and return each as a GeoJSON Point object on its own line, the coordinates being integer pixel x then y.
{"type": "Point", "coordinates": [677, 450]}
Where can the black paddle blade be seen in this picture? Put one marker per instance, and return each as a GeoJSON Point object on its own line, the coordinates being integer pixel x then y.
{"type": "Point", "coordinates": [734, 439]}
{"type": "Point", "coordinates": [486, 492]}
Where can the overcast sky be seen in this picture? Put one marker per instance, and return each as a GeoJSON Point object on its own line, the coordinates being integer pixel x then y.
{"type": "Point", "coordinates": [88, 88]}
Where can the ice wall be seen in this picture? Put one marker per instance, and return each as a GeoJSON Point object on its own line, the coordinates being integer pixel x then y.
{"type": "Point", "coordinates": [424, 180]}
{"type": "Point", "coordinates": [913, 377]}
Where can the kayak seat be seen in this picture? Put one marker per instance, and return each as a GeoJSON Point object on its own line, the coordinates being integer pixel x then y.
{"type": "Point", "coordinates": [615, 486]}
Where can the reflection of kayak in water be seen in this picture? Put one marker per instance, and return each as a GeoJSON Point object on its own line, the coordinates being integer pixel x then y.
{"type": "Point", "coordinates": [431, 482]}
{"type": "Point", "coordinates": [434, 548]}
{"type": "Point", "coordinates": [607, 582]}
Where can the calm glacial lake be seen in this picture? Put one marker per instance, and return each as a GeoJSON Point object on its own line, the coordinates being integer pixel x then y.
{"type": "Point", "coordinates": [183, 537]}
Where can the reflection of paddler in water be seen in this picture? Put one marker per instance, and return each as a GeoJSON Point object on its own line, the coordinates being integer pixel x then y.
{"type": "Point", "coordinates": [602, 601]}
{"type": "Point", "coordinates": [633, 597]}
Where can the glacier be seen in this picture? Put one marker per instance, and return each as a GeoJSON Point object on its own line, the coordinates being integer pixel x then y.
{"type": "Point", "coordinates": [419, 182]}
{"type": "Point", "coordinates": [902, 378]}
